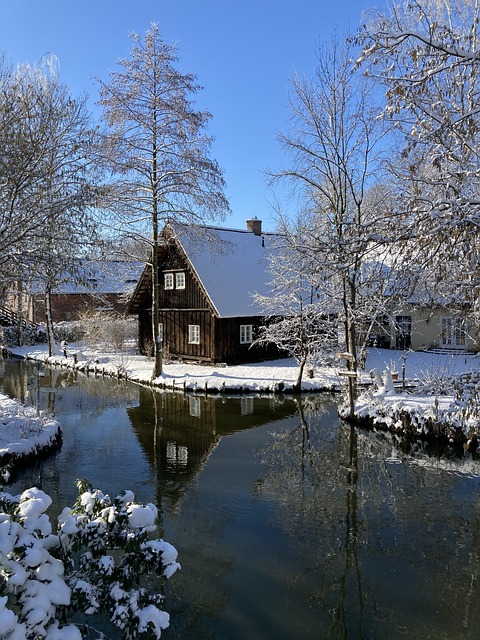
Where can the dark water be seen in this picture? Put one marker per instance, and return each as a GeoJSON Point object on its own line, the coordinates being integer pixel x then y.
{"type": "Point", "coordinates": [289, 524]}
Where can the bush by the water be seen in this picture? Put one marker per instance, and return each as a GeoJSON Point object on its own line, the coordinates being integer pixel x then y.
{"type": "Point", "coordinates": [95, 563]}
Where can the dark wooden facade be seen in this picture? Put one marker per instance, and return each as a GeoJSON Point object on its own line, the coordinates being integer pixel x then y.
{"type": "Point", "coordinates": [219, 339]}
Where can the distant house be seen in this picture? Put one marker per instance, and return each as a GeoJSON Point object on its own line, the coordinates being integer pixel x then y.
{"type": "Point", "coordinates": [422, 326]}
{"type": "Point", "coordinates": [425, 323]}
{"type": "Point", "coordinates": [207, 280]}
{"type": "Point", "coordinates": [103, 285]}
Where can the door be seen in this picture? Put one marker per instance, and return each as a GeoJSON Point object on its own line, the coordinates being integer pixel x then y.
{"type": "Point", "coordinates": [403, 336]}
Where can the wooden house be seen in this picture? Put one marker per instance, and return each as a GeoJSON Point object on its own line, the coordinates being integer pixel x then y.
{"type": "Point", "coordinates": [207, 280]}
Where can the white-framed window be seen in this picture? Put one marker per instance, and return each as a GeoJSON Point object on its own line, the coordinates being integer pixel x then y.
{"type": "Point", "coordinates": [168, 280]}
{"type": "Point", "coordinates": [453, 332]}
{"type": "Point", "coordinates": [193, 334]}
{"type": "Point", "coordinates": [180, 280]}
{"type": "Point", "coordinates": [246, 334]}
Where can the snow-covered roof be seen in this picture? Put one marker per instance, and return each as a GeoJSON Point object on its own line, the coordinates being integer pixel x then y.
{"type": "Point", "coordinates": [231, 265]}
{"type": "Point", "coordinates": [101, 277]}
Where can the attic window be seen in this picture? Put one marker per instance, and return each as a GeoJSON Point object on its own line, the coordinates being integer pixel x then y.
{"type": "Point", "coordinates": [174, 280]}
{"type": "Point", "coordinates": [180, 280]}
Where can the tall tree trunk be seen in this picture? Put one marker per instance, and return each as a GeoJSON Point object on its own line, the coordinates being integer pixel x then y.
{"type": "Point", "coordinates": [353, 364]}
{"type": "Point", "coordinates": [348, 302]}
{"type": "Point", "coordinates": [297, 387]}
{"type": "Point", "coordinates": [157, 347]}
{"type": "Point", "coordinates": [49, 322]}
{"type": "Point", "coordinates": [19, 313]}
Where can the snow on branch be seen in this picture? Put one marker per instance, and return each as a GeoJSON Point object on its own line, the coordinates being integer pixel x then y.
{"type": "Point", "coordinates": [94, 563]}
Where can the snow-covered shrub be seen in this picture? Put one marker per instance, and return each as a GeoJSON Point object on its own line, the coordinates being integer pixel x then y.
{"type": "Point", "coordinates": [437, 381]}
{"type": "Point", "coordinates": [464, 412]}
{"type": "Point", "coordinates": [93, 564]}
{"type": "Point", "coordinates": [9, 336]}
{"type": "Point", "coordinates": [70, 331]}
{"type": "Point", "coordinates": [108, 330]}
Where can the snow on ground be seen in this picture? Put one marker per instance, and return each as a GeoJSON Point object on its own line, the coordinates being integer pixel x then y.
{"type": "Point", "coordinates": [23, 432]}
{"type": "Point", "coordinates": [262, 376]}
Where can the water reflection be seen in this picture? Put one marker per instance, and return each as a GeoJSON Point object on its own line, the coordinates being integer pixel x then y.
{"type": "Point", "coordinates": [188, 428]}
{"type": "Point", "coordinates": [290, 524]}
{"type": "Point", "coordinates": [381, 555]}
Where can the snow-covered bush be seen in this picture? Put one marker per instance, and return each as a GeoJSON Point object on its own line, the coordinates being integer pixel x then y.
{"type": "Point", "coordinates": [464, 412]}
{"type": "Point", "coordinates": [9, 336]}
{"type": "Point", "coordinates": [436, 382]}
{"type": "Point", "coordinates": [108, 330]}
{"type": "Point", "coordinates": [93, 564]}
{"type": "Point", "coordinates": [70, 331]}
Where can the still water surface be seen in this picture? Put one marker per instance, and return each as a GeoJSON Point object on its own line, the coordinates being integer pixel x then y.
{"type": "Point", "coordinates": [289, 524]}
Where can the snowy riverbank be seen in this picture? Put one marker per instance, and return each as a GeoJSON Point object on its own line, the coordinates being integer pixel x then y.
{"type": "Point", "coordinates": [257, 377]}
{"type": "Point", "coordinates": [381, 408]}
{"type": "Point", "coordinates": [23, 433]}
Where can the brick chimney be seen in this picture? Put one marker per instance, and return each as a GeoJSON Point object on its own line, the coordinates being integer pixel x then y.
{"type": "Point", "coordinates": [255, 225]}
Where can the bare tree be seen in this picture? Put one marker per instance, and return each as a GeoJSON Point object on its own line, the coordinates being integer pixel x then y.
{"type": "Point", "coordinates": [334, 145]}
{"type": "Point", "coordinates": [158, 150]}
{"type": "Point", "coordinates": [49, 178]}
{"type": "Point", "coordinates": [426, 54]}
{"type": "Point", "coordinates": [298, 318]}
{"type": "Point", "coordinates": [23, 139]}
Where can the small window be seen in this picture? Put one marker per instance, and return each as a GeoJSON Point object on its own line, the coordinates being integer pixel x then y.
{"type": "Point", "coordinates": [168, 280]}
{"type": "Point", "coordinates": [246, 333]}
{"type": "Point", "coordinates": [180, 280]}
{"type": "Point", "coordinates": [193, 334]}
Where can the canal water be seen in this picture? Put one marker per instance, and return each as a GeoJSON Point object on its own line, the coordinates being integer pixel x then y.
{"type": "Point", "coordinates": [290, 525]}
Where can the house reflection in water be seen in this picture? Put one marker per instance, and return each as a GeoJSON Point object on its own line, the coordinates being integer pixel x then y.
{"type": "Point", "coordinates": [178, 431]}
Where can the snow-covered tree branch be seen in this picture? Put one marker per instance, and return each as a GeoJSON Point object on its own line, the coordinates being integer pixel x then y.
{"type": "Point", "coordinates": [335, 146]}
{"type": "Point", "coordinates": [426, 54]}
{"type": "Point", "coordinates": [93, 564]}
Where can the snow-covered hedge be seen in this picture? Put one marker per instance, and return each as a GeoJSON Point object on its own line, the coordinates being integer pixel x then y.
{"type": "Point", "coordinates": [93, 563]}
{"type": "Point", "coordinates": [9, 336]}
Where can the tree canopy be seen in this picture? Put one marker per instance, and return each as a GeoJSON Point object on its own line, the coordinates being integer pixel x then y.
{"type": "Point", "coordinates": [158, 150]}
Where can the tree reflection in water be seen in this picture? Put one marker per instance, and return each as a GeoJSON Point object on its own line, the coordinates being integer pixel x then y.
{"type": "Point", "coordinates": [389, 539]}
{"type": "Point", "coordinates": [290, 524]}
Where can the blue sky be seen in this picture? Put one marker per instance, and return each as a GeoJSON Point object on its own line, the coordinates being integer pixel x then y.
{"type": "Point", "coordinates": [243, 53]}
